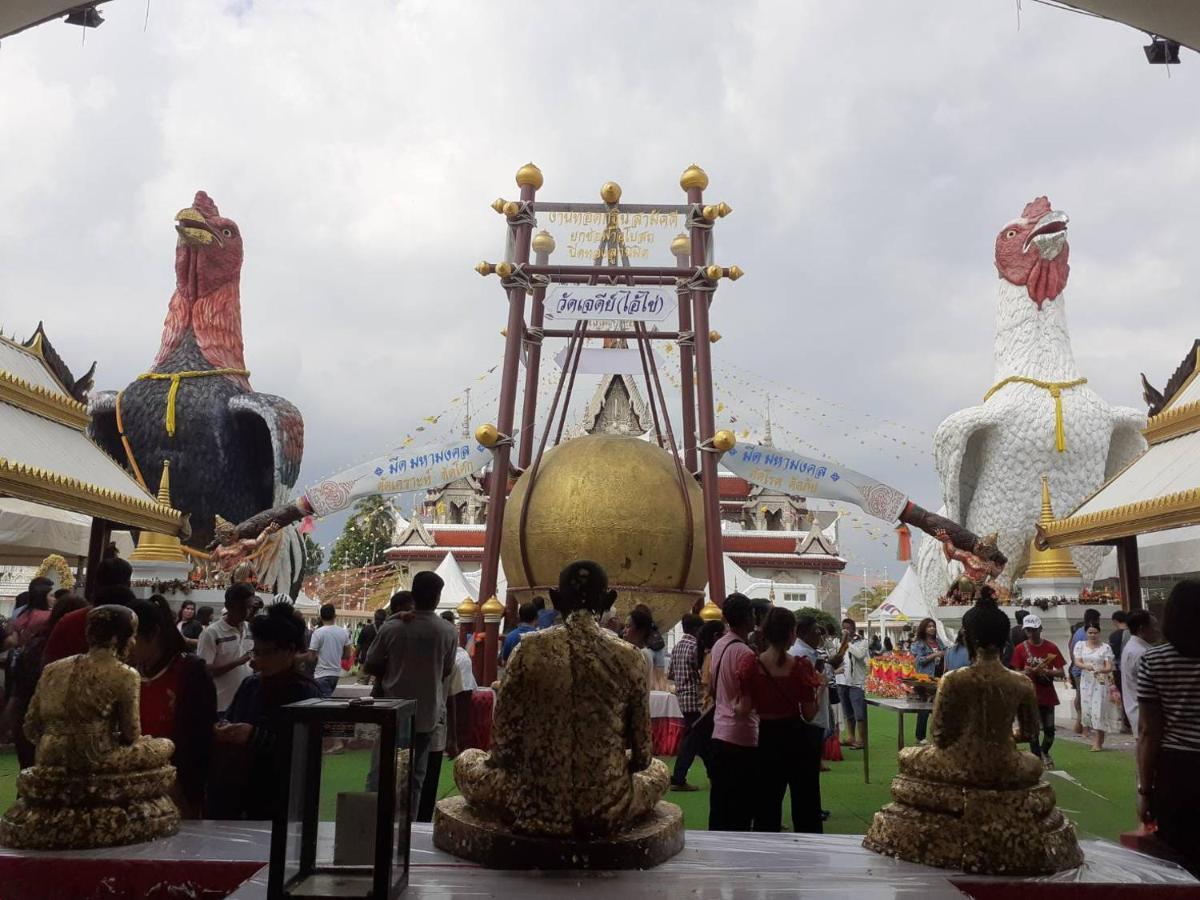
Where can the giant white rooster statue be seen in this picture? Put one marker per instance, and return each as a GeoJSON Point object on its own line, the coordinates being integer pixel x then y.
{"type": "Point", "coordinates": [1038, 418]}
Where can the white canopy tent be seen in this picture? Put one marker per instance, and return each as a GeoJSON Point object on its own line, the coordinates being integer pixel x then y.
{"type": "Point", "coordinates": [905, 605]}
{"type": "Point", "coordinates": [456, 587]}
{"type": "Point", "coordinates": [472, 579]}
{"type": "Point", "coordinates": [1178, 20]}
{"type": "Point", "coordinates": [29, 532]}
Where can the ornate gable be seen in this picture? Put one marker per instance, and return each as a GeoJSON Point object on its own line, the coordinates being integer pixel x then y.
{"type": "Point", "coordinates": [616, 407]}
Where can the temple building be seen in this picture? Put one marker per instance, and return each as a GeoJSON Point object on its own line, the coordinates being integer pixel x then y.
{"type": "Point", "coordinates": [781, 548]}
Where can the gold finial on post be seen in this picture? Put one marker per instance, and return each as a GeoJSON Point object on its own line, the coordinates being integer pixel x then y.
{"type": "Point", "coordinates": [714, 336]}
{"type": "Point", "coordinates": [529, 175]}
{"type": "Point", "coordinates": [681, 245]}
{"type": "Point", "coordinates": [504, 269]}
{"type": "Point", "coordinates": [543, 242]}
{"type": "Point", "coordinates": [735, 272]}
{"type": "Point", "coordinates": [485, 268]}
{"type": "Point", "coordinates": [693, 177]}
{"type": "Point", "coordinates": [498, 205]}
{"type": "Point", "coordinates": [610, 192]}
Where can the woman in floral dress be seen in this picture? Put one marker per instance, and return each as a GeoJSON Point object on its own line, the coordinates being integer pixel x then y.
{"type": "Point", "coordinates": [1097, 687]}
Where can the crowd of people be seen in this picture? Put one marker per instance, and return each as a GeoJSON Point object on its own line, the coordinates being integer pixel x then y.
{"type": "Point", "coordinates": [757, 690]}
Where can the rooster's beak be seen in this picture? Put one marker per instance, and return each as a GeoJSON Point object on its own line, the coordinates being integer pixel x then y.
{"type": "Point", "coordinates": [194, 230]}
{"type": "Point", "coordinates": [1049, 236]}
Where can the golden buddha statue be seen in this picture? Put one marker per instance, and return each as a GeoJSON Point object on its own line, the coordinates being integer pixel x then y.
{"type": "Point", "coordinates": [970, 800]}
{"type": "Point", "coordinates": [571, 780]}
{"type": "Point", "coordinates": [96, 781]}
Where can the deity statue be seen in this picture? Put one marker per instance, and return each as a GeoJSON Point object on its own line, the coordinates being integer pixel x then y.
{"type": "Point", "coordinates": [237, 555]}
{"type": "Point", "coordinates": [979, 563]}
{"type": "Point", "coordinates": [571, 780]}
{"type": "Point", "coordinates": [970, 800]}
{"type": "Point", "coordinates": [96, 781]}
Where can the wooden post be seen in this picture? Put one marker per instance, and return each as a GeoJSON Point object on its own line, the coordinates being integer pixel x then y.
{"type": "Point", "coordinates": [98, 539]}
{"type": "Point", "coordinates": [543, 247]}
{"type": "Point", "coordinates": [694, 181]}
{"type": "Point", "coordinates": [529, 179]}
{"type": "Point", "coordinates": [687, 372]}
{"type": "Point", "coordinates": [1129, 573]}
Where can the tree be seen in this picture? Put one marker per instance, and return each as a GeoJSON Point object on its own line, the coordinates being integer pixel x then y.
{"type": "Point", "coordinates": [314, 557]}
{"type": "Point", "coordinates": [365, 536]}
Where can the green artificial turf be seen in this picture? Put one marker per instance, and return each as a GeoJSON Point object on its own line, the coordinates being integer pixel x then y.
{"type": "Point", "coordinates": [1097, 794]}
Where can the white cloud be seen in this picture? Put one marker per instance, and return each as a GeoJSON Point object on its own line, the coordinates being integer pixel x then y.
{"type": "Point", "coordinates": [870, 152]}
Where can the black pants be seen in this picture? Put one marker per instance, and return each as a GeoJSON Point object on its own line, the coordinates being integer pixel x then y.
{"type": "Point", "coordinates": [731, 800]}
{"type": "Point", "coordinates": [429, 787]}
{"type": "Point", "coordinates": [691, 745]}
{"type": "Point", "coordinates": [1174, 804]}
{"type": "Point", "coordinates": [922, 725]}
{"type": "Point", "coordinates": [789, 759]}
{"type": "Point", "coordinates": [1042, 747]}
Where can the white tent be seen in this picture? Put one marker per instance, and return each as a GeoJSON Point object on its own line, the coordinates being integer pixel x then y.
{"type": "Point", "coordinates": [29, 532]}
{"type": "Point", "coordinates": [905, 603]}
{"type": "Point", "coordinates": [456, 587]}
{"type": "Point", "coordinates": [737, 579]}
{"type": "Point", "coordinates": [472, 579]}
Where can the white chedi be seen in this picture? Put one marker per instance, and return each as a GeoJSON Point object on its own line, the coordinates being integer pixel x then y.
{"type": "Point", "coordinates": [1039, 417]}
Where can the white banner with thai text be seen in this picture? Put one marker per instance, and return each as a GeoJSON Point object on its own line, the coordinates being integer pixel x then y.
{"type": "Point", "coordinates": [595, 301]}
{"type": "Point", "coordinates": [411, 469]}
{"type": "Point", "coordinates": [802, 476]}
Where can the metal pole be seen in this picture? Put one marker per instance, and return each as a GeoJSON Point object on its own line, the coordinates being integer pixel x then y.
{"type": "Point", "coordinates": [687, 389]}
{"type": "Point", "coordinates": [694, 181]}
{"type": "Point", "coordinates": [533, 360]}
{"type": "Point", "coordinates": [529, 179]}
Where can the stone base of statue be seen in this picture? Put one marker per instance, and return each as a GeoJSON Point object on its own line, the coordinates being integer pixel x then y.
{"type": "Point", "coordinates": [60, 810]}
{"type": "Point", "coordinates": [993, 832]}
{"type": "Point", "coordinates": [651, 840]}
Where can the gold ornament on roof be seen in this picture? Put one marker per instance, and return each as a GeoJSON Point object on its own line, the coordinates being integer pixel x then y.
{"type": "Point", "coordinates": [529, 175]}
{"type": "Point", "coordinates": [693, 177]}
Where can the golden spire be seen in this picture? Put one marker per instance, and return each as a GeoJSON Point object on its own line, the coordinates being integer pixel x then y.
{"type": "Point", "coordinates": [710, 612]}
{"type": "Point", "coordinates": [1053, 563]}
{"type": "Point", "coordinates": [155, 547]}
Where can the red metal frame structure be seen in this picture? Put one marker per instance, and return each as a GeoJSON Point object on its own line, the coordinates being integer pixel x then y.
{"type": "Point", "coordinates": [696, 279]}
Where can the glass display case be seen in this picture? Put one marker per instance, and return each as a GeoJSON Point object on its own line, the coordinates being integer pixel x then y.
{"type": "Point", "coordinates": [352, 838]}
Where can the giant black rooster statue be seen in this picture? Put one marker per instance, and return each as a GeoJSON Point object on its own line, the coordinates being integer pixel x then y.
{"type": "Point", "coordinates": [233, 452]}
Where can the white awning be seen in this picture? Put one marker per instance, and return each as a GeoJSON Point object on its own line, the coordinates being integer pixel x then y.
{"type": "Point", "coordinates": [1178, 20]}
{"type": "Point", "coordinates": [29, 532]}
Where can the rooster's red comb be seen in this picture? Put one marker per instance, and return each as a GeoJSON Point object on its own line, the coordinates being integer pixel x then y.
{"type": "Point", "coordinates": [204, 204]}
{"type": "Point", "coordinates": [1033, 211]}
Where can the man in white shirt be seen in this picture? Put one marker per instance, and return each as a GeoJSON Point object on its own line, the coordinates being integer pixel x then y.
{"type": "Point", "coordinates": [225, 645]}
{"type": "Point", "coordinates": [1143, 634]}
{"type": "Point", "coordinates": [853, 692]}
{"type": "Point", "coordinates": [328, 646]}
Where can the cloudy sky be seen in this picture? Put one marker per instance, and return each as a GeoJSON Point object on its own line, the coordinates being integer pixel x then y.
{"type": "Point", "coordinates": [870, 150]}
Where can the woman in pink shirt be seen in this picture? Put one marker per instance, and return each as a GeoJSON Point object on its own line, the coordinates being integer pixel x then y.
{"type": "Point", "coordinates": [735, 732]}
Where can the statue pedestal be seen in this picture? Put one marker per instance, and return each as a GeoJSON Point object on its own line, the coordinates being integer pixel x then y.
{"type": "Point", "coordinates": [1045, 588]}
{"type": "Point", "coordinates": [460, 831]}
{"type": "Point", "coordinates": [995, 832]}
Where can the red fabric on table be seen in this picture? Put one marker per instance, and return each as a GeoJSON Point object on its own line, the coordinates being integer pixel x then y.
{"type": "Point", "coordinates": [481, 720]}
{"type": "Point", "coordinates": [666, 734]}
{"type": "Point", "coordinates": [54, 878]}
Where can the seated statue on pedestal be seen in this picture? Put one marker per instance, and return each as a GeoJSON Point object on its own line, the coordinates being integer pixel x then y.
{"type": "Point", "coordinates": [970, 800]}
{"type": "Point", "coordinates": [96, 781]}
{"type": "Point", "coordinates": [571, 780]}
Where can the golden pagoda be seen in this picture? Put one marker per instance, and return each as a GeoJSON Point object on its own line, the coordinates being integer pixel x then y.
{"type": "Point", "coordinates": [1055, 562]}
{"type": "Point", "coordinates": [155, 547]}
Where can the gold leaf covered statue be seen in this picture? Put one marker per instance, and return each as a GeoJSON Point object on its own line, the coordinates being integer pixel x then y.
{"type": "Point", "coordinates": [571, 780]}
{"type": "Point", "coordinates": [970, 800]}
{"type": "Point", "coordinates": [96, 781]}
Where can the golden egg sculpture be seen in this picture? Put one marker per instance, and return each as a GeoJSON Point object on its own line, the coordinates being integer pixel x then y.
{"type": "Point", "coordinates": [615, 500]}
